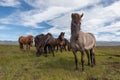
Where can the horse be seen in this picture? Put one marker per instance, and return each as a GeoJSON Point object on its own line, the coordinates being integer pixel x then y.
{"type": "Point", "coordinates": [45, 43]}
{"type": "Point", "coordinates": [28, 41]}
{"type": "Point", "coordinates": [38, 39]}
{"type": "Point", "coordinates": [61, 40]}
{"type": "Point", "coordinates": [81, 41]}
{"type": "Point", "coordinates": [66, 45]}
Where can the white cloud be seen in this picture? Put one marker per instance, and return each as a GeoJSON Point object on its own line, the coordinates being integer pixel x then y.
{"type": "Point", "coordinates": [33, 17]}
{"type": "Point", "coordinates": [60, 3]}
{"type": "Point", "coordinates": [59, 14]}
{"type": "Point", "coordinates": [113, 28]}
{"type": "Point", "coordinates": [53, 9]}
{"type": "Point", "coordinates": [49, 14]}
{"type": "Point", "coordinates": [10, 3]}
{"type": "Point", "coordinates": [93, 21]}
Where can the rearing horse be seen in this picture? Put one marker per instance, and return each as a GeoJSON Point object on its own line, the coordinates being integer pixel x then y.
{"type": "Point", "coordinates": [81, 41]}
{"type": "Point", "coordinates": [28, 41]}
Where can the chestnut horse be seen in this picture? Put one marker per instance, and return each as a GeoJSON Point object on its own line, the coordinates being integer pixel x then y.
{"type": "Point", "coordinates": [81, 41]}
{"type": "Point", "coordinates": [28, 41]}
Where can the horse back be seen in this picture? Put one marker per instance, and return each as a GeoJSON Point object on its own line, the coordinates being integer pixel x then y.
{"type": "Point", "coordinates": [22, 39]}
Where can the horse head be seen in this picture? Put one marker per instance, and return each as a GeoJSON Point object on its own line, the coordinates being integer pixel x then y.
{"type": "Point", "coordinates": [61, 36]}
{"type": "Point", "coordinates": [49, 35]}
{"type": "Point", "coordinates": [76, 18]}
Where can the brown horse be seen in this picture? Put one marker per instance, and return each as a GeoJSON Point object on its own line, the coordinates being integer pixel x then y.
{"type": "Point", "coordinates": [61, 41]}
{"type": "Point", "coordinates": [45, 43]}
{"type": "Point", "coordinates": [81, 41]}
{"type": "Point", "coordinates": [66, 45]}
{"type": "Point", "coordinates": [28, 41]}
{"type": "Point", "coordinates": [38, 40]}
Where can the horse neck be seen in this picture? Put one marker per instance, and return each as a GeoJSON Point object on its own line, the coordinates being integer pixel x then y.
{"type": "Point", "coordinates": [75, 28]}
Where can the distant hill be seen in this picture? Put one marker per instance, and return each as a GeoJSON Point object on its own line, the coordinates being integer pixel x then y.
{"type": "Point", "coordinates": [9, 42]}
{"type": "Point", "coordinates": [99, 43]}
{"type": "Point", "coordinates": [108, 43]}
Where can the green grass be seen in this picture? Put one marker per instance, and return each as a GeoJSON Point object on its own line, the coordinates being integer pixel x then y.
{"type": "Point", "coordinates": [19, 65]}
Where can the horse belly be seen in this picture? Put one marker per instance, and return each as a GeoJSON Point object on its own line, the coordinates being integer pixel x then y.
{"type": "Point", "coordinates": [74, 45]}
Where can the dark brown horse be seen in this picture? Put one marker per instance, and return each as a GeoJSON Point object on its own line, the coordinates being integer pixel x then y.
{"type": "Point", "coordinates": [81, 41]}
{"type": "Point", "coordinates": [28, 41]}
{"type": "Point", "coordinates": [38, 39]}
{"type": "Point", "coordinates": [61, 40]}
{"type": "Point", "coordinates": [44, 44]}
{"type": "Point", "coordinates": [66, 45]}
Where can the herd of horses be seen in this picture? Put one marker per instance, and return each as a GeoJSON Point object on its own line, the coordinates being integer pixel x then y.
{"type": "Point", "coordinates": [79, 41]}
{"type": "Point", "coordinates": [45, 43]}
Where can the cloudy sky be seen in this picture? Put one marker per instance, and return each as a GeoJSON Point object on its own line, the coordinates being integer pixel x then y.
{"type": "Point", "coordinates": [23, 17]}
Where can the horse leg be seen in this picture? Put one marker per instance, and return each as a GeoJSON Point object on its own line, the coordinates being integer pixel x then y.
{"type": "Point", "coordinates": [61, 48]}
{"type": "Point", "coordinates": [91, 56]}
{"type": "Point", "coordinates": [94, 61]}
{"type": "Point", "coordinates": [49, 49]}
{"type": "Point", "coordinates": [27, 47]}
{"type": "Point", "coordinates": [21, 46]}
{"type": "Point", "coordinates": [76, 60]}
{"type": "Point", "coordinates": [57, 48]}
{"type": "Point", "coordinates": [64, 47]}
{"type": "Point", "coordinates": [88, 56]}
{"type": "Point", "coordinates": [68, 47]}
{"type": "Point", "coordinates": [82, 59]}
{"type": "Point", "coordinates": [45, 50]}
{"type": "Point", "coordinates": [53, 50]}
{"type": "Point", "coordinates": [38, 53]}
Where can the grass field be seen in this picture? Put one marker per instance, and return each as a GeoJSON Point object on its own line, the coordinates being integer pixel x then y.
{"type": "Point", "coordinates": [18, 65]}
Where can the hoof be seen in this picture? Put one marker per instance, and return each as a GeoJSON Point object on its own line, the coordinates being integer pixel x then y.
{"type": "Point", "coordinates": [92, 65]}
{"type": "Point", "coordinates": [45, 55]}
{"type": "Point", "coordinates": [88, 64]}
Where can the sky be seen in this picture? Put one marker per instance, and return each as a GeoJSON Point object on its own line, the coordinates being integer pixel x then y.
{"type": "Point", "coordinates": [25, 17]}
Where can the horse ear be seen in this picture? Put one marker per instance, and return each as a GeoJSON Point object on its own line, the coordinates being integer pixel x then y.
{"type": "Point", "coordinates": [72, 15]}
{"type": "Point", "coordinates": [82, 15]}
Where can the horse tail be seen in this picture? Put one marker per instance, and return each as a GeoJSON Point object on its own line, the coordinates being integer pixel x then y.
{"type": "Point", "coordinates": [20, 44]}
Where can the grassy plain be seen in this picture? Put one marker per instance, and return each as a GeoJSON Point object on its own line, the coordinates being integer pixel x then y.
{"type": "Point", "coordinates": [19, 65]}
